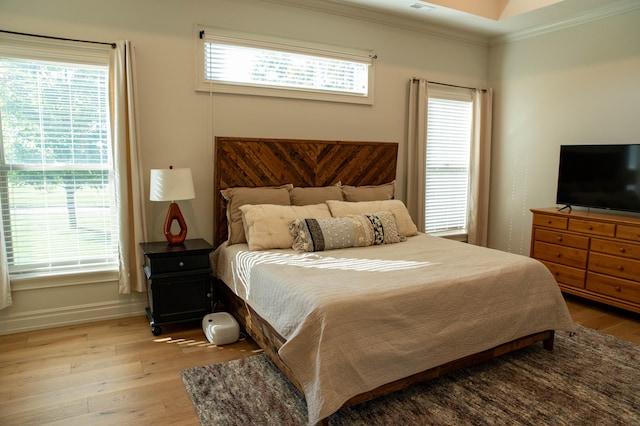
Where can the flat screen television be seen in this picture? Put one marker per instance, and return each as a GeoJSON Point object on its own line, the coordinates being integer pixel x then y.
{"type": "Point", "coordinates": [600, 176]}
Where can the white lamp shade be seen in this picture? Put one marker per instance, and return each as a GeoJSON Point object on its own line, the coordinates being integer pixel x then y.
{"type": "Point", "coordinates": [171, 185]}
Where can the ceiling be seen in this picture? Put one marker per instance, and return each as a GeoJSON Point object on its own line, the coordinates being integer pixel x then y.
{"type": "Point", "coordinates": [486, 19]}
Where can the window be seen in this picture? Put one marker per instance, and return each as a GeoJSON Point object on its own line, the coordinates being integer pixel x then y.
{"type": "Point", "coordinates": [56, 170]}
{"type": "Point", "coordinates": [447, 161]}
{"type": "Point", "coordinates": [245, 64]}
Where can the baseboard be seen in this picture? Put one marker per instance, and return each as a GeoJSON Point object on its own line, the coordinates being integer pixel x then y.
{"type": "Point", "coordinates": [57, 317]}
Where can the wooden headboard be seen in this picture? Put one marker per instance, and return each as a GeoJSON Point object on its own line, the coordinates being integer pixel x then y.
{"type": "Point", "coordinates": [253, 162]}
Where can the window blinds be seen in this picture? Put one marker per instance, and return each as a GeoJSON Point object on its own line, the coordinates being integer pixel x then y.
{"type": "Point", "coordinates": [240, 63]}
{"type": "Point", "coordinates": [247, 65]}
{"type": "Point", "coordinates": [56, 171]}
{"type": "Point", "coordinates": [447, 164]}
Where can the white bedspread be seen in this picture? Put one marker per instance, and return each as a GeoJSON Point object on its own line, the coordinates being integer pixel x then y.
{"type": "Point", "coordinates": [358, 318]}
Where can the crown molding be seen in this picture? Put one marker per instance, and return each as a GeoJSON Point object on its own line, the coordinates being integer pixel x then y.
{"type": "Point", "coordinates": [385, 18]}
{"type": "Point", "coordinates": [342, 9]}
{"type": "Point", "coordinates": [618, 8]}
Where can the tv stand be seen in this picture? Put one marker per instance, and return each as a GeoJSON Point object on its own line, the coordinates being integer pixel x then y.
{"type": "Point", "coordinates": [592, 255]}
{"type": "Point", "coordinates": [566, 206]}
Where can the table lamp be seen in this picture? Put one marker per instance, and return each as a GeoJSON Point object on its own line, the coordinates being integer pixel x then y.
{"type": "Point", "coordinates": [172, 185]}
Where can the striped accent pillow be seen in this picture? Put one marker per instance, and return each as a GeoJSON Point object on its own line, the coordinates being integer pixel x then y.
{"type": "Point", "coordinates": [342, 232]}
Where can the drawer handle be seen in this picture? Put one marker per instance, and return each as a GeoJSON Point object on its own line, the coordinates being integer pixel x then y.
{"type": "Point", "coordinates": [560, 239]}
{"type": "Point", "coordinates": [181, 264]}
{"type": "Point", "coordinates": [620, 268]}
{"type": "Point", "coordinates": [622, 250]}
{"type": "Point", "coordinates": [559, 255]}
{"type": "Point", "coordinates": [548, 222]}
{"type": "Point", "coordinates": [617, 288]}
{"type": "Point", "coordinates": [590, 228]}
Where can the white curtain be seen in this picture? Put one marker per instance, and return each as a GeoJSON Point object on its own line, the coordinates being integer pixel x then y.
{"type": "Point", "coordinates": [5, 285]}
{"type": "Point", "coordinates": [128, 173]}
{"type": "Point", "coordinates": [480, 166]}
{"type": "Point", "coordinates": [416, 150]}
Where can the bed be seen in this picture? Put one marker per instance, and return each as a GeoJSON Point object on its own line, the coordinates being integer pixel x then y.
{"type": "Point", "coordinates": [353, 323]}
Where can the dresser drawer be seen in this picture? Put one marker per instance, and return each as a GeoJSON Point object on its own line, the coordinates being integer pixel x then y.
{"type": "Point", "coordinates": [628, 232]}
{"type": "Point", "coordinates": [592, 227]}
{"type": "Point", "coordinates": [566, 274]}
{"type": "Point", "coordinates": [614, 287]}
{"type": "Point", "coordinates": [550, 221]}
{"type": "Point", "coordinates": [181, 263]}
{"type": "Point", "coordinates": [562, 238]}
{"type": "Point", "coordinates": [616, 248]}
{"type": "Point", "coordinates": [559, 254]}
{"type": "Point", "coordinates": [614, 265]}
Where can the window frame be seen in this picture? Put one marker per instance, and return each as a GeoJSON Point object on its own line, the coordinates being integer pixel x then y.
{"type": "Point", "coordinates": [57, 51]}
{"type": "Point", "coordinates": [452, 93]}
{"type": "Point", "coordinates": [206, 34]}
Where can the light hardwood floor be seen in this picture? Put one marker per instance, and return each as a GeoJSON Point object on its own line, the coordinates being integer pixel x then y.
{"type": "Point", "coordinates": [117, 373]}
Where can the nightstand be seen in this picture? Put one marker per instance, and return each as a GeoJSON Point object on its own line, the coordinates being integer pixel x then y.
{"type": "Point", "coordinates": [179, 282]}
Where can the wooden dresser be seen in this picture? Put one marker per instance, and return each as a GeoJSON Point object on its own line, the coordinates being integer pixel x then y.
{"type": "Point", "coordinates": [593, 255]}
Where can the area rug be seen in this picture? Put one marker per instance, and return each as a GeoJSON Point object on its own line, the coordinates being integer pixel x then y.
{"type": "Point", "coordinates": [588, 379]}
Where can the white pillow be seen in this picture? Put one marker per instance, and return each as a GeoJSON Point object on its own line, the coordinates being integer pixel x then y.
{"type": "Point", "coordinates": [406, 226]}
{"type": "Point", "coordinates": [266, 226]}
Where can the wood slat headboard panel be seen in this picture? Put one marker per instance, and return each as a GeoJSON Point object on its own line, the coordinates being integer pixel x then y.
{"type": "Point", "coordinates": [253, 162]}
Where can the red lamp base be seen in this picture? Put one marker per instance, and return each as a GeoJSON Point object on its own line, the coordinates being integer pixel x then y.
{"type": "Point", "coordinates": [174, 213]}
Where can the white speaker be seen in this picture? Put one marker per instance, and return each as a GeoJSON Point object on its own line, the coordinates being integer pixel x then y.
{"type": "Point", "coordinates": [221, 328]}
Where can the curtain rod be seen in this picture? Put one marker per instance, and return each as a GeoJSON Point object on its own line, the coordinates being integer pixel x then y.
{"type": "Point", "coordinates": [449, 85]}
{"type": "Point", "coordinates": [113, 45]}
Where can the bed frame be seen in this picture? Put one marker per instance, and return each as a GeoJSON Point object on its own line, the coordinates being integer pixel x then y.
{"type": "Point", "coordinates": [252, 162]}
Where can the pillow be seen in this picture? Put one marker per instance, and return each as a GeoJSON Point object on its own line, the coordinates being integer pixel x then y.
{"type": "Point", "coordinates": [342, 232]}
{"type": "Point", "coordinates": [266, 226]}
{"type": "Point", "coordinates": [301, 196]}
{"type": "Point", "coordinates": [369, 193]}
{"type": "Point", "coordinates": [406, 226]}
{"type": "Point", "coordinates": [240, 196]}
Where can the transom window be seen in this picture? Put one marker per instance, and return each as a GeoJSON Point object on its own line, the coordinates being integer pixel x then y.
{"type": "Point", "coordinates": [249, 64]}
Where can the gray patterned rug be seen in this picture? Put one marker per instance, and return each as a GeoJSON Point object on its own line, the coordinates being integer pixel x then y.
{"type": "Point", "coordinates": [589, 379]}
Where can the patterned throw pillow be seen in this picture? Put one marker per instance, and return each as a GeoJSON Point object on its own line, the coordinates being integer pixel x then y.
{"type": "Point", "coordinates": [342, 232]}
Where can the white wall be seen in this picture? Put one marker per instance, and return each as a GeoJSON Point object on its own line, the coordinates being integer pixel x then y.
{"type": "Point", "coordinates": [177, 125]}
{"type": "Point", "coordinates": [576, 85]}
